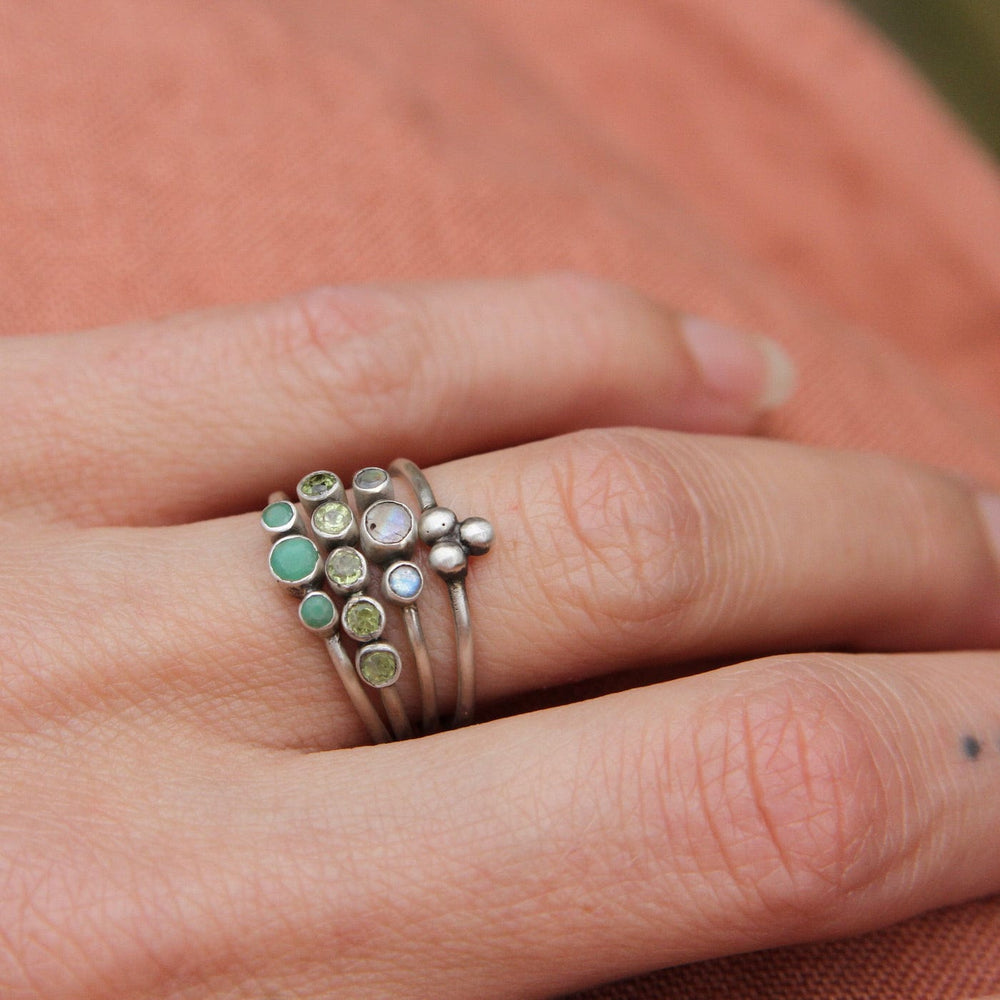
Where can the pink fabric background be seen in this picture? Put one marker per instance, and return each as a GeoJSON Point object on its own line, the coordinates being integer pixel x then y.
{"type": "Point", "coordinates": [770, 164]}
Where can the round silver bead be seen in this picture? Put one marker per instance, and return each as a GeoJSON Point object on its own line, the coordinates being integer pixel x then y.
{"type": "Point", "coordinates": [476, 534]}
{"type": "Point", "coordinates": [448, 559]}
{"type": "Point", "coordinates": [435, 524]}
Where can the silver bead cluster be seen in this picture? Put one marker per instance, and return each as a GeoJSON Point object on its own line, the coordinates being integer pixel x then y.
{"type": "Point", "coordinates": [452, 541]}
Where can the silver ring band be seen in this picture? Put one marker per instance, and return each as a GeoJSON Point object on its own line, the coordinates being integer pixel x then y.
{"type": "Point", "coordinates": [451, 543]}
{"type": "Point", "coordinates": [321, 542]}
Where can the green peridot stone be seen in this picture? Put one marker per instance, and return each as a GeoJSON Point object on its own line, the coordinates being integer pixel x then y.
{"type": "Point", "coordinates": [317, 611]}
{"type": "Point", "coordinates": [294, 559]}
{"type": "Point", "coordinates": [363, 619]}
{"type": "Point", "coordinates": [278, 515]}
{"type": "Point", "coordinates": [345, 567]}
{"type": "Point", "coordinates": [332, 517]}
{"type": "Point", "coordinates": [379, 667]}
{"type": "Point", "coordinates": [317, 484]}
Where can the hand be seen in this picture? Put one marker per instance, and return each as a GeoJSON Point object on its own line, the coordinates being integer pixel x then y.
{"type": "Point", "coordinates": [174, 823]}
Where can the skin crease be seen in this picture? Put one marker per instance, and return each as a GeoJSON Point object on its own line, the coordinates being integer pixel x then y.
{"type": "Point", "coordinates": [187, 809]}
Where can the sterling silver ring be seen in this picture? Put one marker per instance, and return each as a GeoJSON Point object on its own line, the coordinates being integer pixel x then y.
{"type": "Point", "coordinates": [325, 550]}
{"type": "Point", "coordinates": [451, 543]}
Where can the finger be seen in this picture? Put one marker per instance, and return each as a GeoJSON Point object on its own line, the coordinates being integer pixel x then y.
{"type": "Point", "coordinates": [205, 414]}
{"type": "Point", "coordinates": [615, 549]}
{"type": "Point", "coordinates": [770, 803]}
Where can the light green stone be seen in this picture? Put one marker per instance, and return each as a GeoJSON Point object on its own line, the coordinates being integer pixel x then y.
{"type": "Point", "coordinates": [345, 567]}
{"type": "Point", "coordinates": [378, 666]}
{"type": "Point", "coordinates": [278, 515]}
{"type": "Point", "coordinates": [294, 559]}
{"type": "Point", "coordinates": [364, 620]}
{"type": "Point", "coordinates": [332, 517]}
{"type": "Point", "coordinates": [317, 611]}
{"type": "Point", "coordinates": [318, 483]}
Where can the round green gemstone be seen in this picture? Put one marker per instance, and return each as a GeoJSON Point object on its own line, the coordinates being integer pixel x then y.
{"type": "Point", "coordinates": [345, 567]}
{"type": "Point", "coordinates": [318, 484]}
{"type": "Point", "coordinates": [379, 666]}
{"type": "Point", "coordinates": [317, 611]}
{"type": "Point", "coordinates": [278, 515]}
{"type": "Point", "coordinates": [294, 559]}
{"type": "Point", "coordinates": [363, 619]}
{"type": "Point", "coordinates": [332, 517]}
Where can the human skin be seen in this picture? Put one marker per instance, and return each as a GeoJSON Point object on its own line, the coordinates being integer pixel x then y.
{"type": "Point", "coordinates": [187, 806]}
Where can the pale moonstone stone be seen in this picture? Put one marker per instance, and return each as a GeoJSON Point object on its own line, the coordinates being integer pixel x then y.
{"type": "Point", "coordinates": [388, 522]}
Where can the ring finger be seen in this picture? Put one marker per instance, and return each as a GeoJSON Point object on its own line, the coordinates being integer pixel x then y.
{"type": "Point", "coordinates": [617, 548]}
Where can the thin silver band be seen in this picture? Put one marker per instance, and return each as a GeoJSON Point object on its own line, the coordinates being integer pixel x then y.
{"type": "Point", "coordinates": [425, 675]}
{"type": "Point", "coordinates": [356, 692]}
{"type": "Point", "coordinates": [353, 686]}
{"type": "Point", "coordinates": [465, 690]}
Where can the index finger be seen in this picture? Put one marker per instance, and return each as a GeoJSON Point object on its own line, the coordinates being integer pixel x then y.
{"type": "Point", "coordinates": [205, 414]}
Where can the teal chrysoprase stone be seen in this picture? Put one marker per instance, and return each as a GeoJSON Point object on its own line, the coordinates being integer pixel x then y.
{"type": "Point", "coordinates": [371, 478]}
{"type": "Point", "coordinates": [363, 619]}
{"type": "Point", "coordinates": [379, 666]}
{"type": "Point", "coordinates": [318, 484]}
{"type": "Point", "coordinates": [345, 567]}
{"type": "Point", "coordinates": [405, 581]}
{"type": "Point", "coordinates": [332, 517]}
{"type": "Point", "coordinates": [388, 521]}
{"type": "Point", "coordinates": [294, 559]}
{"type": "Point", "coordinates": [280, 514]}
{"type": "Point", "coordinates": [317, 611]}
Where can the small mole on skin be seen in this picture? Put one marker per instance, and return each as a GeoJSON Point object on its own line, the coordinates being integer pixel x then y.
{"type": "Point", "coordinates": [971, 747]}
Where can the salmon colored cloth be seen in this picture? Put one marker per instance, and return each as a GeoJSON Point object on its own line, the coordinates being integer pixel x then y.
{"type": "Point", "coordinates": [770, 164]}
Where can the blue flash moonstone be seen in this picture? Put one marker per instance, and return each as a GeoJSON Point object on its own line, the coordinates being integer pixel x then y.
{"type": "Point", "coordinates": [388, 522]}
{"type": "Point", "coordinates": [405, 582]}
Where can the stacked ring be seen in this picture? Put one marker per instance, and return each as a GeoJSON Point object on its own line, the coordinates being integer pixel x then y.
{"type": "Point", "coordinates": [323, 550]}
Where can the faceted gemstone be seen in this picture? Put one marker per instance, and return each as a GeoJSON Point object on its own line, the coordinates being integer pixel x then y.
{"type": "Point", "coordinates": [388, 522]}
{"type": "Point", "coordinates": [345, 567]}
{"type": "Point", "coordinates": [378, 666]}
{"type": "Point", "coordinates": [371, 478]}
{"type": "Point", "coordinates": [317, 610]}
{"type": "Point", "coordinates": [318, 484]}
{"type": "Point", "coordinates": [280, 514]}
{"type": "Point", "coordinates": [294, 559]}
{"type": "Point", "coordinates": [332, 517]}
{"type": "Point", "coordinates": [363, 619]}
{"type": "Point", "coordinates": [405, 581]}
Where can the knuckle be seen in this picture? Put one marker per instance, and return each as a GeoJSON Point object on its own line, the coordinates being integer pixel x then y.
{"type": "Point", "coordinates": [631, 531]}
{"type": "Point", "coordinates": [361, 348]}
{"type": "Point", "coordinates": [793, 797]}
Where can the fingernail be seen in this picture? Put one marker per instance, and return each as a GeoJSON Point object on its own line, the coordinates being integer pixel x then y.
{"type": "Point", "coordinates": [989, 513]}
{"type": "Point", "coordinates": [752, 371]}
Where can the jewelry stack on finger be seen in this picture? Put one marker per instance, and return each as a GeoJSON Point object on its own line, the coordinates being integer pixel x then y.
{"type": "Point", "coordinates": [336, 559]}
